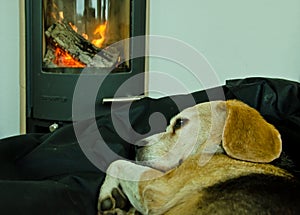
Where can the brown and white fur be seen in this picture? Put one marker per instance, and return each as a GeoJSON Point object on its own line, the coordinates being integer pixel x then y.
{"type": "Point", "coordinates": [209, 160]}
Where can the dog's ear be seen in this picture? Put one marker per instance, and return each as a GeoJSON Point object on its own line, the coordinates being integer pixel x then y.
{"type": "Point", "coordinates": [247, 136]}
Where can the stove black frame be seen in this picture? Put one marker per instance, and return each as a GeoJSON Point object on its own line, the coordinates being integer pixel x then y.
{"type": "Point", "coordinates": [49, 95]}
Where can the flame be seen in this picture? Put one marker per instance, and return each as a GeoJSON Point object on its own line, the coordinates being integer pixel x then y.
{"type": "Point", "coordinates": [53, 15]}
{"type": "Point", "coordinates": [74, 27]}
{"type": "Point", "coordinates": [63, 59]}
{"type": "Point", "coordinates": [85, 36]}
{"type": "Point", "coordinates": [100, 32]}
{"type": "Point", "coordinates": [61, 15]}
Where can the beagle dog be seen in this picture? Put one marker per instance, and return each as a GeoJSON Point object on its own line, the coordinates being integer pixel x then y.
{"type": "Point", "coordinates": [213, 158]}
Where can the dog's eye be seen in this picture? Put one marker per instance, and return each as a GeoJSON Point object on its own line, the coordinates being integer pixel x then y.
{"type": "Point", "coordinates": [179, 123]}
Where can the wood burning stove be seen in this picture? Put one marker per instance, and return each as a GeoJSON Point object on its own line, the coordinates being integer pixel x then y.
{"type": "Point", "coordinates": [63, 37]}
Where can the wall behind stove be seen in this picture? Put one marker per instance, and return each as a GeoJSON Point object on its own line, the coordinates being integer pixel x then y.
{"type": "Point", "coordinates": [239, 38]}
{"type": "Point", "coordinates": [9, 68]}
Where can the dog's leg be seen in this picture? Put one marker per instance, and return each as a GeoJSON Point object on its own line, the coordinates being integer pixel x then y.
{"type": "Point", "coordinates": [122, 182]}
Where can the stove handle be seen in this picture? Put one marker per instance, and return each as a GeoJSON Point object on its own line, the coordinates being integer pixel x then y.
{"type": "Point", "coordinates": [122, 99]}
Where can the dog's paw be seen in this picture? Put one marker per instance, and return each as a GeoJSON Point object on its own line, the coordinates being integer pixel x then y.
{"type": "Point", "coordinates": [116, 199]}
{"type": "Point", "coordinates": [117, 211]}
{"type": "Point", "coordinates": [112, 200]}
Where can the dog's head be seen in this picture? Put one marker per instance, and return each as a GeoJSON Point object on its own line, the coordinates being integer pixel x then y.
{"type": "Point", "coordinates": [212, 127]}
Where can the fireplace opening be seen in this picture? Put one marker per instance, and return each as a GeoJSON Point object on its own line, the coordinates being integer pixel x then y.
{"type": "Point", "coordinates": [78, 33]}
{"type": "Point", "coordinates": [63, 38]}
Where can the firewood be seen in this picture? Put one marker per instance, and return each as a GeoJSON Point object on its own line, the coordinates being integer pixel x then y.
{"type": "Point", "coordinates": [62, 35]}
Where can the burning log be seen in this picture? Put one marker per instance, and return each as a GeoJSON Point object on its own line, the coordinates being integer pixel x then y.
{"type": "Point", "coordinates": [63, 36]}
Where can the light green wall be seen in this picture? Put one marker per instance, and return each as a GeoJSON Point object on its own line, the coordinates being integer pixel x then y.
{"type": "Point", "coordinates": [239, 38]}
{"type": "Point", "coordinates": [9, 68]}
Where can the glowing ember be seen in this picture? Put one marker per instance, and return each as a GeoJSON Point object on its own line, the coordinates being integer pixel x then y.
{"type": "Point", "coordinates": [63, 59]}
